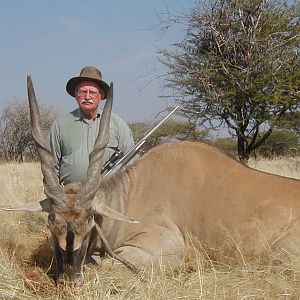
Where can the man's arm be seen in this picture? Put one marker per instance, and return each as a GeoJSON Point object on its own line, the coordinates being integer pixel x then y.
{"type": "Point", "coordinates": [125, 138]}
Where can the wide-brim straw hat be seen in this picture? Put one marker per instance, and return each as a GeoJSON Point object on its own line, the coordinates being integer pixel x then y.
{"type": "Point", "coordinates": [87, 74]}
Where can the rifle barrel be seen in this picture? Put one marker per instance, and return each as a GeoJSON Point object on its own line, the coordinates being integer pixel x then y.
{"type": "Point", "coordinates": [129, 155]}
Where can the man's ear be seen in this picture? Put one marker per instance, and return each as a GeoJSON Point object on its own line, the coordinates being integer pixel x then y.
{"type": "Point", "coordinates": [102, 94]}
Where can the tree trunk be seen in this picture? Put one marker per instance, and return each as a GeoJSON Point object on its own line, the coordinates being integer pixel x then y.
{"type": "Point", "coordinates": [242, 150]}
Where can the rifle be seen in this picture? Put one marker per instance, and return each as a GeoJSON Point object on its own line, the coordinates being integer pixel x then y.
{"type": "Point", "coordinates": [118, 164]}
{"type": "Point", "coordinates": [112, 160]}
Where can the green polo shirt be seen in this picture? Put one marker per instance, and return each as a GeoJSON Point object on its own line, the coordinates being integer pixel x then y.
{"type": "Point", "coordinates": [72, 139]}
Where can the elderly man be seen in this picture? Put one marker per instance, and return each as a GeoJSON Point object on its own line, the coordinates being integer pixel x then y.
{"type": "Point", "coordinates": [72, 136]}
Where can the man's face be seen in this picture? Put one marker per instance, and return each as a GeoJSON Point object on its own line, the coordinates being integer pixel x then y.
{"type": "Point", "coordinates": [88, 95]}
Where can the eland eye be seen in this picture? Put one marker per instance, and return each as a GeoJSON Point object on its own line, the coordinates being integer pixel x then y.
{"type": "Point", "coordinates": [51, 218]}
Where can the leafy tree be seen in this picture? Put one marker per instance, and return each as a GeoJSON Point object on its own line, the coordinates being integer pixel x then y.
{"type": "Point", "coordinates": [169, 131]}
{"type": "Point", "coordinates": [238, 65]}
{"type": "Point", "coordinates": [16, 141]}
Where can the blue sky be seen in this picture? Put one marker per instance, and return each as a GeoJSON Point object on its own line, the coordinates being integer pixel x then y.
{"type": "Point", "coordinates": [53, 40]}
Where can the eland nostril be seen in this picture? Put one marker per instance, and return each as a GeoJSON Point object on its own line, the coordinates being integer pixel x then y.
{"type": "Point", "coordinates": [77, 279]}
{"type": "Point", "coordinates": [60, 280]}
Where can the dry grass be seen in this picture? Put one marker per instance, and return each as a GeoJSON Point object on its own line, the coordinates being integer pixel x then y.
{"type": "Point", "coordinates": [26, 258]}
{"type": "Point", "coordinates": [288, 167]}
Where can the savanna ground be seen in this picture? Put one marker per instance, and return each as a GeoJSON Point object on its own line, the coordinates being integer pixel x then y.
{"type": "Point", "coordinates": [26, 261]}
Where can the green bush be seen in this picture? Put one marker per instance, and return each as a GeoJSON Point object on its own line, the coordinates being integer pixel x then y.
{"type": "Point", "coordinates": [281, 143]}
{"type": "Point", "coordinates": [228, 145]}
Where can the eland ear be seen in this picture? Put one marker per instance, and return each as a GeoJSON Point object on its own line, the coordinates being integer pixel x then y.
{"type": "Point", "coordinates": [39, 206]}
{"type": "Point", "coordinates": [103, 210]}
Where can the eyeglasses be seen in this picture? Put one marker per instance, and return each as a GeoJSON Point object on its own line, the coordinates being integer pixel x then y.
{"type": "Point", "coordinates": [83, 93]}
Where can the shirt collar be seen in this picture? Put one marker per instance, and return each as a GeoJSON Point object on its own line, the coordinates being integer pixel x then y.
{"type": "Point", "coordinates": [80, 116]}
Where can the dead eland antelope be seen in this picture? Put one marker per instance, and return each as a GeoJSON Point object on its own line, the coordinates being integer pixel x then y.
{"type": "Point", "coordinates": [174, 189]}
